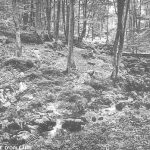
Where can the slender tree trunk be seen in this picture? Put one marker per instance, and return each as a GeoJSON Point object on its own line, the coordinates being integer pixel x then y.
{"type": "Point", "coordinates": [79, 20]}
{"type": "Point", "coordinates": [135, 16]}
{"type": "Point", "coordinates": [63, 16]}
{"type": "Point", "coordinates": [84, 22]}
{"type": "Point", "coordinates": [50, 13]}
{"type": "Point", "coordinates": [40, 13]}
{"type": "Point", "coordinates": [70, 37]}
{"type": "Point", "coordinates": [57, 21]}
{"type": "Point", "coordinates": [139, 23]}
{"type": "Point", "coordinates": [123, 32]}
{"type": "Point", "coordinates": [115, 6]}
{"type": "Point", "coordinates": [102, 27]}
{"type": "Point", "coordinates": [126, 15]}
{"type": "Point", "coordinates": [18, 40]}
{"type": "Point", "coordinates": [32, 14]}
{"type": "Point", "coordinates": [107, 40]}
{"type": "Point", "coordinates": [67, 20]}
{"type": "Point", "coordinates": [25, 15]}
{"type": "Point", "coordinates": [48, 16]}
{"type": "Point", "coordinates": [54, 14]}
{"type": "Point", "coordinates": [92, 32]}
{"type": "Point", "coordinates": [73, 24]}
{"type": "Point", "coordinates": [93, 26]}
{"type": "Point", "coordinates": [115, 51]}
{"type": "Point", "coordinates": [119, 38]}
{"type": "Point", "coordinates": [37, 18]}
{"type": "Point", "coordinates": [88, 31]}
{"type": "Point", "coordinates": [16, 18]}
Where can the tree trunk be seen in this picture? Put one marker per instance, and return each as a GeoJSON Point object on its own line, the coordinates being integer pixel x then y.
{"type": "Point", "coordinates": [139, 23]}
{"type": "Point", "coordinates": [25, 15]}
{"type": "Point", "coordinates": [119, 38]}
{"type": "Point", "coordinates": [84, 22]}
{"type": "Point", "coordinates": [48, 16]}
{"type": "Point", "coordinates": [67, 20]}
{"type": "Point", "coordinates": [123, 33]}
{"type": "Point", "coordinates": [17, 27]}
{"type": "Point", "coordinates": [40, 13]}
{"type": "Point", "coordinates": [135, 16]}
{"type": "Point", "coordinates": [107, 39]}
{"type": "Point", "coordinates": [37, 18]}
{"type": "Point", "coordinates": [88, 31]}
{"type": "Point", "coordinates": [32, 14]}
{"type": "Point", "coordinates": [54, 14]}
{"type": "Point", "coordinates": [92, 25]}
{"type": "Point", "coordinates": [63, 16]}
{"type": "Point", "coordinates": [115, 6]}
{"type": "Point", "coordinates": [57, 21]}
{"type": "Point", "coordinates": [70, 37]}
{"type": "Point", "coordinates": [79, 20]}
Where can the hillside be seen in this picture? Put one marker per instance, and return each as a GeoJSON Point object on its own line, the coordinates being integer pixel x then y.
{"type": "Point", "coordinates": [42, 107]}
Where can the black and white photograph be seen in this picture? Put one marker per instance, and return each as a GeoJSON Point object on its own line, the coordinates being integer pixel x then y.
{"type": "Point", "coordinates": [74, 74]}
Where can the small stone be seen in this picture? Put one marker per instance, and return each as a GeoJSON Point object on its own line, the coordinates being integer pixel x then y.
{"type": "Point", "coordinates": [85, 77]}
{"type": "Point", "coordinates": [120, 106]}
{"type": "Point", "coordinates": [94, 119]}
{"type": "Point", "coordinates": [100, 118]}
{"type": "Point", "coordinates": [103, 130]}
{"type": "Point", "coordinates": [90, 72]}
{"type": "Point", "coordinates": [147, 106]}
{"type": "Point", "coordinates": [136, 105]}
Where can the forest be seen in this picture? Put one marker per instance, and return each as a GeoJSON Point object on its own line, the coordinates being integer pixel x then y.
{"type": "Point", "coordinates": [74, 74]}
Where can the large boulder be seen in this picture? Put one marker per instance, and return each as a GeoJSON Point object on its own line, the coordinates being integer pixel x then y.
{"type": "Point", "coordinates": [19, 64]}
{"type": "Point", "coordinates": [31, 37]}
{"type": "Point", "coordinates": [75, 100]}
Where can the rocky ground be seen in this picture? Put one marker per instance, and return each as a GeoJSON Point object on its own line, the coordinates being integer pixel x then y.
{"type": "Point", "coordinates": [43, 108]}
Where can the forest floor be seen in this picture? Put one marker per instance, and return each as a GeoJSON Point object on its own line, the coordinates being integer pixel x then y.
{"type": "Point", "coordinates": [43, 108]}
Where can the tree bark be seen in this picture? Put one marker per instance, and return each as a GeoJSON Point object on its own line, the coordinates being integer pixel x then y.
{"type": "Point", "coordinates": [32, 14]}
{"type": "Point", "coordinates": [83, 33]}
{"type": "Point", "coordinates": [119, 38]}
{"type": "Point", "coordinates": [115, 6]}
{"type": "Point", "coordinates": [37, 17]}
{"type": "Point", "coordinates": [79, 20]}
{"type": "Point", "coordinates": [54, 14]}
{"type": "Point", "coordinates": [25, 15]}
{"type": "Point", "coordinates": [123, 33]}
{"type": "Point", "coordinates": [63, 16]}
{"type": "Point", "coordinates": [48, 16]}
{"type": "Point", "coordinates": [139, 23]}
{"type": "Point", "coordinates": [57, 21]}
{"type": "Point", "coordinates": [107, 39]}
{"type": "Point", "coordinates": [70, 37]}
{"type": "Point", "coordinates": [16, 19]}
{"type": "Point", "coordinates": [67, 20]}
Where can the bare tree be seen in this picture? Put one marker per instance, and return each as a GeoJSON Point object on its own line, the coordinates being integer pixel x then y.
{"type": "Point", "coordinates": [57, 21]}
{"type": "Point", "coordinates": [119, 40]}
{"type": "Point", "coordinates": [67, 20]}
{"type": "Point", "coordinates": [48, 16]}
{"type": "Point", "coordinates": [17, 20]}
{"type": "Point", "coordinates": [70, 37]}
{"type": "Point", "coordinates": [63, 16]}
{"type": "Point", "coordinates": [83, 33]}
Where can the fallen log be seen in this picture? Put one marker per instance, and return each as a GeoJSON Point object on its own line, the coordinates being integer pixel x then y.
{"type": "Point", "coordinates": [136, 55]}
